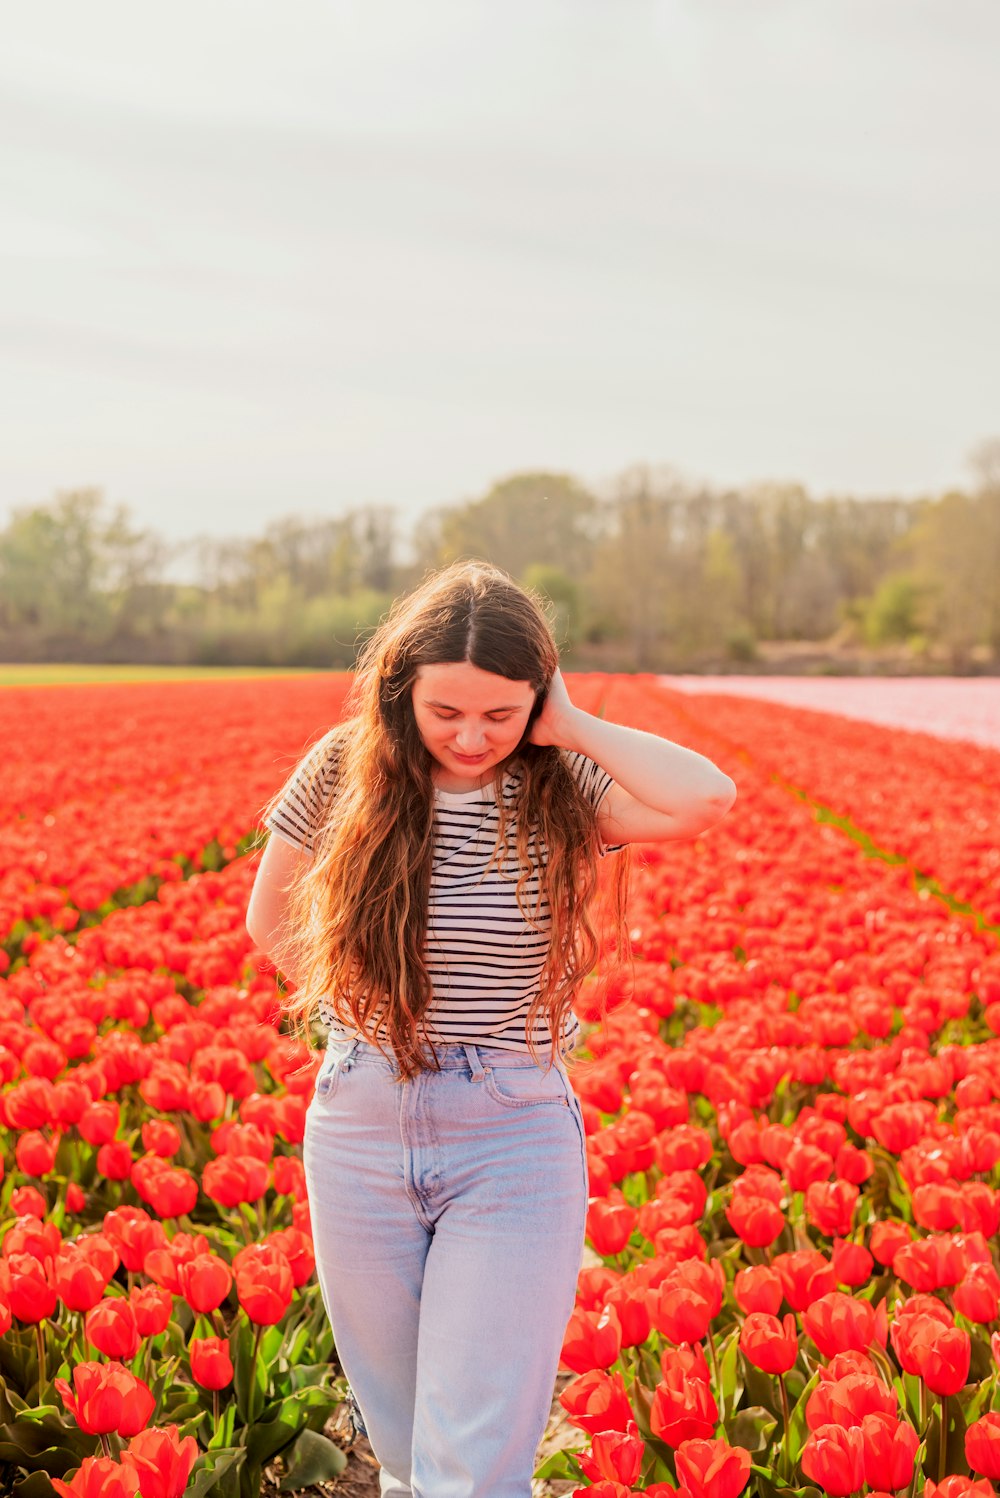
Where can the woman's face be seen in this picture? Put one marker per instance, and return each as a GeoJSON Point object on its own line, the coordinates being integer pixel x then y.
{"type": "Point", "coordinates": [469, 721]}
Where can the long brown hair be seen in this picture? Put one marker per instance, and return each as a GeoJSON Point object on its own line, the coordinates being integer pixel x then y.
{"type": "Point", "coordinates": [357, 917]}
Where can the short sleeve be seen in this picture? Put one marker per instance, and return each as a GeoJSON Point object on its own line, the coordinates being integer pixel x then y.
{"type": "Point", "coordinates": [595, 783]}
{"type": "Point", "coordinates": [300, 812]}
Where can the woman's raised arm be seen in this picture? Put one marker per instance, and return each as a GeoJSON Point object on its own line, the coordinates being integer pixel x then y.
{"type": "Point", "coordinates": [661, 789]}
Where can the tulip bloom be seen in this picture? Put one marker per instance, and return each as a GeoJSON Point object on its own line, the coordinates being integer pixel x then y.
{"type": "Point", "coordinates": [835, 1459]}
{"type": "Point", "coordinates": [609, 1224]}
{"type": "Point", "coordinates": [100, 1477]}
{"type": "Point", "coordinates": [163, 1461]}
{"type": "Point", "coordinates": [35, 1155]}
{"type": "Point", "coordinates": [615, 1456]}
{"type": "Point", "coordinates": [597, 1401]}
{"type": "Point", "coordinates": [712, 1469]}
{"type": "Point", "coordinates": [112, 1329]}
{"type": "Point", "coordinates": [769, 1344]}
{"type": "Point", "coordinates": [982, 1445]}
{"type": "Point", "coordinates": [79, 1282]}
{"type": "Point", "coordinates": [31, 1296]}
{"type": "Point", "coordinates": [977, 1297]}
{"type": "Point", "coordinates": [837, 1322]}
{"type": "Point", "coordinates": [830, 1206]}
{"type": "Point", "coordinates": [683, 1409]}
{"type": "Point", "coordinates": [152, 1306]}
{"type": "Point", "coordinates": [849, 1400]}
{"type": "Point", "coordinates": [755, 1220]}
{"type": "Point", "coordinates": [590, 1341]}
{"type": "Point", "coordinates": [806, 1275]}
{"type": "Point", "coordinates": [204, 1282]}
{"type": "Point", "coordinates": [758, 1289]}
{"type": "Point", "coordinates": [107, 1398]}
{"type": "Point", "coordinates": [679, 1312]}
{"type": "Point", "coordinates": [211, 1363]}
{"type": "Point", "coordinates": [890, 1446]}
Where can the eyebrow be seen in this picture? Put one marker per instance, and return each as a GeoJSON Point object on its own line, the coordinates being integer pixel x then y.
{"type": "Point", "coordinates": [451, 708]}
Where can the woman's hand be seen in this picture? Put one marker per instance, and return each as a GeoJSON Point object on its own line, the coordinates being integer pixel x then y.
{"type": "Point", "coordinates": [554, 723]}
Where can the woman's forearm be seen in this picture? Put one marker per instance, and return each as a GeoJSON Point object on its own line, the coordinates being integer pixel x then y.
{"type": "Point", "coordinates": [662, 775]}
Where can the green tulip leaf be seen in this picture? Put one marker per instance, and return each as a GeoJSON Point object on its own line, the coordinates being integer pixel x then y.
{"type": "Point", "coordinates": [560, 1466]}
{"type": "Point", "coordinates": [752, 1429]}
{"type": "Point", "coordinates": [313, 1458]}
{"type": "Point", "coordinates": [211, 1470]}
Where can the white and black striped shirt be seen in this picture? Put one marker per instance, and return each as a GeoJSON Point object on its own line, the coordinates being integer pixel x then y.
{"type": "Point", "coordinates": [484, 958]}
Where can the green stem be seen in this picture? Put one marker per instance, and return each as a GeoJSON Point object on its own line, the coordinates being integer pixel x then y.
{"type": "Point", "coordinates": [943, 1452]}
{"type": "Point", "coordinates": [40, 1339]}
{"type": "Point", "coordinates": [252, 1396]}
{"type": "Point", "coordinates": [786, 1412]}
{"type": "Point", "coordinates": [922, 1408]}
{"type": "Point", "coordinates": [715, 1363]}
{"type": "Point", "coordinates": [107, 1446]}
{"type": "Point", "coordinates": [215, 1408]}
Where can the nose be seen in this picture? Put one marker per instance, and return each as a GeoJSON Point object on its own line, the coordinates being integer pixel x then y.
{"type": "Point", "coordinates": [470, 738]}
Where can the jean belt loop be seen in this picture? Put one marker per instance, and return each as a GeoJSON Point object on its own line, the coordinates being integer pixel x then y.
{"type": "Point", "coordinates": [472, 1056]}
{"type": "Point", "coordinates": [350, 1052]}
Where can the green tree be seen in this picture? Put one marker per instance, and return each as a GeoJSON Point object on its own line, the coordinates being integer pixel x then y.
{"type": "Point", "coordinates": [528, 519]}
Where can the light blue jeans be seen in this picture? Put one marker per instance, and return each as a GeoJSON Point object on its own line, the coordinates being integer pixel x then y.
{"type": "Point", "coordinates": [448, 1219]}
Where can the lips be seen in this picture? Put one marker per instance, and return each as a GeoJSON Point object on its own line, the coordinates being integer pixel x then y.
{"type": "Point", "coordinates": [469, 759]}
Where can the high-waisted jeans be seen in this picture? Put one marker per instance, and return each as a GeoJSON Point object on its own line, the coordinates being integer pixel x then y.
{"type": "Point", "coordinates": [448, 1219]}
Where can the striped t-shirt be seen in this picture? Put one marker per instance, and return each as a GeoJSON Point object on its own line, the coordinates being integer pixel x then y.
{"type": "Point", "coordinates": [483, 957]}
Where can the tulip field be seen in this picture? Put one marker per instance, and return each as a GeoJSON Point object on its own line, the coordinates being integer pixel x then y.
{"type": "Point", "coordinates": [791, 1101]}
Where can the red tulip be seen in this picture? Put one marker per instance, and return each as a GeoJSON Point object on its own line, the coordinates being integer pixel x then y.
{"type": "Point", "coordinates": [100, 1477]}
{"type": "Point", "coordinates": [890, 1447]}
{"type": "Point", "coordinates": [99, 1123]}
{"type": "Point", "coordinates": [615, 1456]}
{"type": "Point", "coordinates": [837, 1322]}
{"type": "Point", "coordinates": [834, 1458]}
{"type": "Point", "coordinates": [161, 1137]}
{"type": "Point", "coordinates": [31, 1296]}
{"type": "Point", "coordinates": [232, 1179]}
{"type": "Point", "coordinates": [806, 1275]}
{"type": "Point", "coordinates": [848, 1399]}
{"type": "Point", "coordinates": [204, 1281]}
{"type": "Point", "coordinates": [712, 1469]}
{"type": "Point", "coordinates": [755, 1220]}
{"type": "Point", "coordinates": [591, 1341]}
{"type": "Point", "coordinates": [852, 1263]}
{"type": "Point", "coordinates": [683, 1409]}
{"type": "Point", "coordinates": [111, 1328]}
{"type": "Point", "coordinates": [107, 1397]}
{"type": "Point", "coordinates": [631, 1305]}
{"type": "Point", "coordinates": [35, 1155]}
{"type": "Point", "coordinates": [978, 1296]}
{"type": "Point", "coordinates": [887, 1239]}
{"type": "Point", "coordinates": [830, 1206]}
{"type": "Point", "coordinates": [597, 1401]}
{"type": "Point", "coordinates": [134, 1233]}
{"type": "Point", "coordinates": [211, 1364]}
{"type": "Point", "coordinates": [114, 1161]}
{"type": "Point", "coordinates": [163, 1460]}
{"type": "Point", "coordinates": [768, 1343]}
{"type": "Point", "coordinates": [758, 1288]}
{"type": "Point", "coordinates": [609, 1224]}
{"type": "Point", "coordinates": [152, 1306]}
{"type": "Point", "coordinates": [982, 1445]}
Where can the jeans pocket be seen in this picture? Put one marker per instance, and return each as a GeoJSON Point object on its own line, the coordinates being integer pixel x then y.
{"type": "Point", "coordinates": [336, 1061]}
{"type": "Point", "coordinates": [526, 1086]}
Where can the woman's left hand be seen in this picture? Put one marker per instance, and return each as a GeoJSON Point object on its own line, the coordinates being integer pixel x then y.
{"type": "Point", "coordinates": [553, 724]}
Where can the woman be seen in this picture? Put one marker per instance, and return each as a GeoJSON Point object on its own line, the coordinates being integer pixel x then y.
{"type": "Point", "coordinates": [427, 885]}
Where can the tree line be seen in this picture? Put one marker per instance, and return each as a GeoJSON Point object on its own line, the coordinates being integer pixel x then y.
{"type": "Point", "coordinates": [652, 573]}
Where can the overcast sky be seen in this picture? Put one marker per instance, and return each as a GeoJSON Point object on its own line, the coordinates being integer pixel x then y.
{"type": "Point", "coordinates": [263, 257]}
